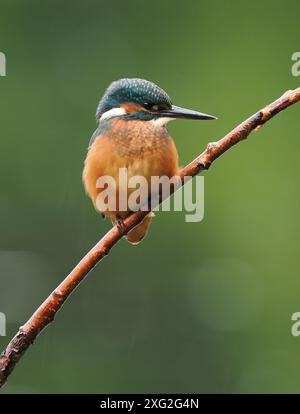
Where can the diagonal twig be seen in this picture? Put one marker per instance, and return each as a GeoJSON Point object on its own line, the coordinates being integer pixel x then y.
{"type": "Point", "coordinates": [47, 311]}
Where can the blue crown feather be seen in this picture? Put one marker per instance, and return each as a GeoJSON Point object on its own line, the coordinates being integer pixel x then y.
{"type": "Point", "coordinates": [131, 90]}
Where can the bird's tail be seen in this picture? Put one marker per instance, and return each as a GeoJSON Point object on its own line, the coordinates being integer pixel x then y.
{"type": "Point", "coordinates": [136, 235]}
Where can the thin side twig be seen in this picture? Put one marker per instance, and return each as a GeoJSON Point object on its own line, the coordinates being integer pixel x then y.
{"type": "Point", "coordinates": [45, 314]}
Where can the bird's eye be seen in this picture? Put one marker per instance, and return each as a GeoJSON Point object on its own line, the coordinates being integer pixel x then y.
{"type": "Point", "coordinates": [150, 107]}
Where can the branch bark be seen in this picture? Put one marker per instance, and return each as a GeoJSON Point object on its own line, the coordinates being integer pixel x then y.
{"type": "Point", "coordinates": [45, 314]}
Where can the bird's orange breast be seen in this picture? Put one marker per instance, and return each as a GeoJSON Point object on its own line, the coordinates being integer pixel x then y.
{"type": "Point", "coordinates": [141, 147]}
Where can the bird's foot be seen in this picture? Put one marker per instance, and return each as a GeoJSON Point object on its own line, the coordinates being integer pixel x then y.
{"type": "Point", "coordinates": [119, 223]}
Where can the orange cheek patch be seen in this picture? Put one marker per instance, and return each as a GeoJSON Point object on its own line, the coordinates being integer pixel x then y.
{"type": "Point", "coordinates": [131, 107]}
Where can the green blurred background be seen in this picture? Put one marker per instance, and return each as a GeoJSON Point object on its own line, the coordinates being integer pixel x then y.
{"type": "Point", "coordinates": [197, 307]}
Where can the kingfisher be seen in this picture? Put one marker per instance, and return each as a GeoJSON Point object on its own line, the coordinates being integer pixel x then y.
{"type": "Point", "coordinates": [132, 134]}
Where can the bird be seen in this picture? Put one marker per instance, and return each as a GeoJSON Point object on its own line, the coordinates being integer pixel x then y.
{"type": "Point", "coordinates": [131, 133]}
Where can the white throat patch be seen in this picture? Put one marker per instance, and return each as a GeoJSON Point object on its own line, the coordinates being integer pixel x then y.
{"type": "Point", "coordinates": [161, 121]}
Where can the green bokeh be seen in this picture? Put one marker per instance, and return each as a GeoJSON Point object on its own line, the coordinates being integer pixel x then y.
{"type": "Point", "coordinates": [202, 307]}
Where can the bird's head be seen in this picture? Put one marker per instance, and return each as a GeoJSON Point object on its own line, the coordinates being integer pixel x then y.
{"type": "Point", "coordinates": [138, 99]}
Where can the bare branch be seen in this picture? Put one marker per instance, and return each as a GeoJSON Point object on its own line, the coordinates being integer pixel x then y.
{"type": "Point", "coordinates": [47, 311]}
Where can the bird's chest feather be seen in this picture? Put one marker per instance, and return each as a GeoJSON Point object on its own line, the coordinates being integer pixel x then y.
{"type": "Point", "coordinates": [140, 147]}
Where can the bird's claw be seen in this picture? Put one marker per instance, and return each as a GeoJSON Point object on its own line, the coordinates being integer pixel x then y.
{"type": "Point", "coordinates": [119, 223]}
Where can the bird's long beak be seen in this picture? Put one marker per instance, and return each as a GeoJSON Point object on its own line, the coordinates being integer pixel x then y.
{"type": "Point", "coordinates": [177, 112]}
